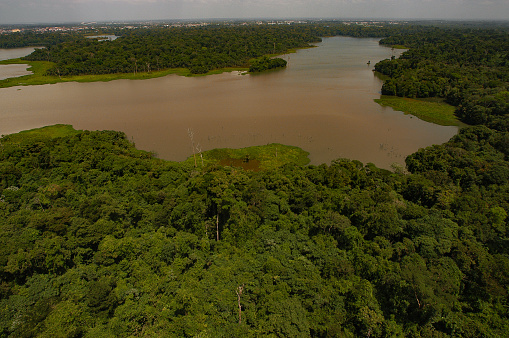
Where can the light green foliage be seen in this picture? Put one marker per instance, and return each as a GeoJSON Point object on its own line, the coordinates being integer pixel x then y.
{"type": "Point", "coordinates": [265, 63]}
{"type": "Point", "coordinates": [436, 112]}
{"type": "Point", "coordinates": [255, 158]}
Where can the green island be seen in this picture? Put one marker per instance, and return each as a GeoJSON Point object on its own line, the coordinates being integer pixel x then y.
{"type": "Point", "coordinates": [100, 239]}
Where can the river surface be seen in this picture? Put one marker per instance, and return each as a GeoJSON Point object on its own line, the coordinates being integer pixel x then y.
{"type": "Point", "coordinates": [7, 71]}
{"type": "Point", "coordinates": [322, 102]}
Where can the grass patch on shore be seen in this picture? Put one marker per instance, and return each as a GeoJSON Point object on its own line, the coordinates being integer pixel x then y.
{"type": "Point", "coordinates": [429, 110]}
{"type": "Point", "coordinates": [255, 158]}
{"type": "Point", "coordinates": [39, 68]}
{"type": "Point", "coordinates": [54, 131]}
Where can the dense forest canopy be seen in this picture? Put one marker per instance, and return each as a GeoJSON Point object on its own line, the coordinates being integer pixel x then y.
{"type": "Point", "coordinates": [103, 240]}
{"type": "Point", "coordinates": [100, 239]}
{"type": "Point", "coordinates": [468, 68]}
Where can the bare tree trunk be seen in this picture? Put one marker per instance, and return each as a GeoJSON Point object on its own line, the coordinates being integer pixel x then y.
{"type": "Point", "coordinates": [418, 301]}
{"type": "Point", "coordinates": [198, 147]}
{"type": "Point", "coordinates": [239, 293]}
{"type": "Point", "coordinates": [190, 132]}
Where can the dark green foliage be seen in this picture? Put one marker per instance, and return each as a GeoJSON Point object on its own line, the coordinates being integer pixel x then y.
{"type": "Point", "coordinates": [103, 239]}
{"type": "Point", "coordinates": [265, 63]}
{"type": "Point", "coordinates": [467, 67]}
{"type": "Point", "coordinates": [34, 38]}
{"type": "Point", "coordinates": [200, 49]}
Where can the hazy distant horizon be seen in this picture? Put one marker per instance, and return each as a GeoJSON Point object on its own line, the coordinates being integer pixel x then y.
{"type": "Point", "coordinates": [77, 11]}
{"type": "Point", "coordinates": [266, 19]}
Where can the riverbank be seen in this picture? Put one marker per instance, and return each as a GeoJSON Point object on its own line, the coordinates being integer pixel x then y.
{"type": "Point", "coordinates": [53, 131]}
{"type": "Point", "coordinates": [39, 68]}
{"type": "Point", "coordinates": [254, 158]}
{"type": "Point", "coordinates": [429, 110]}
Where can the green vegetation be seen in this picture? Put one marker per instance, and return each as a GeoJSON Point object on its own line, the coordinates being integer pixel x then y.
{"type": "Point", "coordinates": [266, 63]}
{"type": "Point", "coordinates": [430, 111]}
{"type": "Point", "coordinates": [39, 77]}
{"type": "Point", "coordinates": [198, 49]}
{"type": "Point", "coordinates": [57, 130]}
{"type": "Point", "coordinates": [466, 67]}
{"type": "Point", "coordinates": [32, 38]}
{"type": "Point", "coordinates": [38, 68]}
{"type": "Point", "coordinates": [101, 239]}
{"type": "Point", "coordinates": [184, 50]}
{"type": "Point", "coordinates": [269, 156]}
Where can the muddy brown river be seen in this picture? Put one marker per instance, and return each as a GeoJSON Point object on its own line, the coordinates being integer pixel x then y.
{"type": "Point", "coordinates": [322, 102]}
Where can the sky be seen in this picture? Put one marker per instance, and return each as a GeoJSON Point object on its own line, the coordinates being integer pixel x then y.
{"type": "Point", "coordinates": [56, 11]}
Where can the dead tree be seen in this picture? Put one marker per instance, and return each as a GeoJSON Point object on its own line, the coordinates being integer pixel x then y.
{"type": "Point", "coordinates": [198, 147]}
{"type": "Point", "coordinates": [190, 132]}
{"type": "Point", "coordinates": [239, 293]}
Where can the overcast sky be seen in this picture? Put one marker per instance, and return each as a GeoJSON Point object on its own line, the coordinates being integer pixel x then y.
{"type": "Point", "coordinates": [49, 11]}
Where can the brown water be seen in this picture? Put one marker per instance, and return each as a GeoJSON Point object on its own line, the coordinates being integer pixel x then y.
{"type": "Point", "coordinates": [14, 53]}
{"type": "Point", "coordinates": [323, 103]}
{"type": "Point", "coordinates": [7, 71]}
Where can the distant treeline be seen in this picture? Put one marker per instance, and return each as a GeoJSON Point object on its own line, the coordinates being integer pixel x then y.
{"type": "Point", "coordinates": [35, 39]}
{"type": "Point", "coordinates": [199, 49]}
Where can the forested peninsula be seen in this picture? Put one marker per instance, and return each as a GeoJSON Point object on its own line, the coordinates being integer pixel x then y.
{"type": "Point", "coordinates": [103, 240]}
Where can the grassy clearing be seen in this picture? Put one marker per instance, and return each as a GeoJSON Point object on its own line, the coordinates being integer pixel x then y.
{"type": "Point", "coordinates": [429, 110]}
{"type": "Point", "coordinates": [253, 158]}
{"type": "Point", "coordinates": [54, 131]}
{"type": "Point", "coordinates": [39, 68]}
